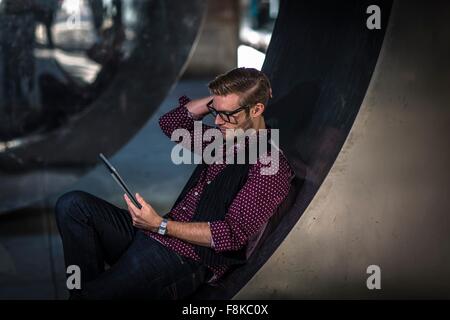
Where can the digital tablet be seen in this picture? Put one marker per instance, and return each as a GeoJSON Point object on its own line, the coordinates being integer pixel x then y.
{"type": "Point", "coordinates": [119, 180]}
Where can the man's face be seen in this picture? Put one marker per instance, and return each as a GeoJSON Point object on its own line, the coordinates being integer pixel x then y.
{"type": "Point", "coordinates": [240, 120]}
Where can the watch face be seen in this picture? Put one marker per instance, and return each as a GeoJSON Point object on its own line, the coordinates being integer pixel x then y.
{"type": "Point", "coordinates": [162, 230]}
{"type": "Point", "coordinates": [162, 227]}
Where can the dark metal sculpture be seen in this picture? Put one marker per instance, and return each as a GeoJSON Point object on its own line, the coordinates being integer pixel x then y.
{"type": "Point", "coordinates": [77, 80]}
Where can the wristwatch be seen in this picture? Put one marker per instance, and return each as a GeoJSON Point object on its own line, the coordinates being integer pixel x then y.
{"type": "Point", "coordinates": [163, 227]}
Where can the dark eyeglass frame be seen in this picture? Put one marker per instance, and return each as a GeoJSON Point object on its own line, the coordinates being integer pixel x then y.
{"type": "Point", "coordinates": [225, 115]}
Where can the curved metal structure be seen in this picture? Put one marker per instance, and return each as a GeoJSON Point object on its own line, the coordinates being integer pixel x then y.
{"type": "Point", "coordinates": [76, 81]}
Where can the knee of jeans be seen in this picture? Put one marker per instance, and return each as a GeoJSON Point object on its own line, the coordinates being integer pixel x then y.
{"type": "Point", "coordinates": [134, 265]}
{"type": "Point", "coordinates": [65, 203]}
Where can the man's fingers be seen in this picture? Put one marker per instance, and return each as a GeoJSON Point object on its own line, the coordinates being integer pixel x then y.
{"type": "Point", "coordinates": [131, 204]}
{"type": "Point", "coordinates": [134, 219]}
{"type": "Point", "coordinates": [141, 200]}
{"type": "Point", "coordinates": [137, 215]}
{"type": "Point", "coordinates": [131, 208]}
{"type": "Point", "coordinates": [128, 200]}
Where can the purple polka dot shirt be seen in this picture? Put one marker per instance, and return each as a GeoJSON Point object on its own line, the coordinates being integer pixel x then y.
{"type": "Point", "coordinates": [252, 207]}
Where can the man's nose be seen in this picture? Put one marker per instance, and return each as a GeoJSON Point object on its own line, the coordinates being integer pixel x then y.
{"type": "Point", "coordinates": [218, 120]}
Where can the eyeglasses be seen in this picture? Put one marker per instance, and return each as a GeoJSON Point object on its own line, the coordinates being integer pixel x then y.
{"type": "Point", "coordinates": [226, 116]}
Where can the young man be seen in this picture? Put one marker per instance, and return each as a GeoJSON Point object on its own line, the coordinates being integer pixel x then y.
{"type": "Point", "coordinates": [221, 208]}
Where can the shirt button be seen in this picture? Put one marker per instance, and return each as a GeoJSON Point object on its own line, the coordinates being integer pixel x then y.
{"type": "Point", "coordinates": [184, 208]}
{"type": "Point", "coordinates": [208, 182]}
{"type": "Point", "coordinates": [195, 193]}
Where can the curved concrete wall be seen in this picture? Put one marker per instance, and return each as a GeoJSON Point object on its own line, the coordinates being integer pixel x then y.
{"type": "Point", "coordinates": [386, 199]}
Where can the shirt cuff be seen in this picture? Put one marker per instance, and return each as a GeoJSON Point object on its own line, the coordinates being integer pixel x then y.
{"type": "Point", "coordinates": [220, 234]}
{"type": "Point", "coordinates": [183, 100]}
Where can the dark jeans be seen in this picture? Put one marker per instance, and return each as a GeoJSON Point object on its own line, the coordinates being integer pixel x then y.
{"type": "Point", "coordinates": [94, 231]}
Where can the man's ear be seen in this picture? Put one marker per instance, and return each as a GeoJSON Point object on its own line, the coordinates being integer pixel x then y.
{"type": "Point", "coordinates": [258, 110]}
